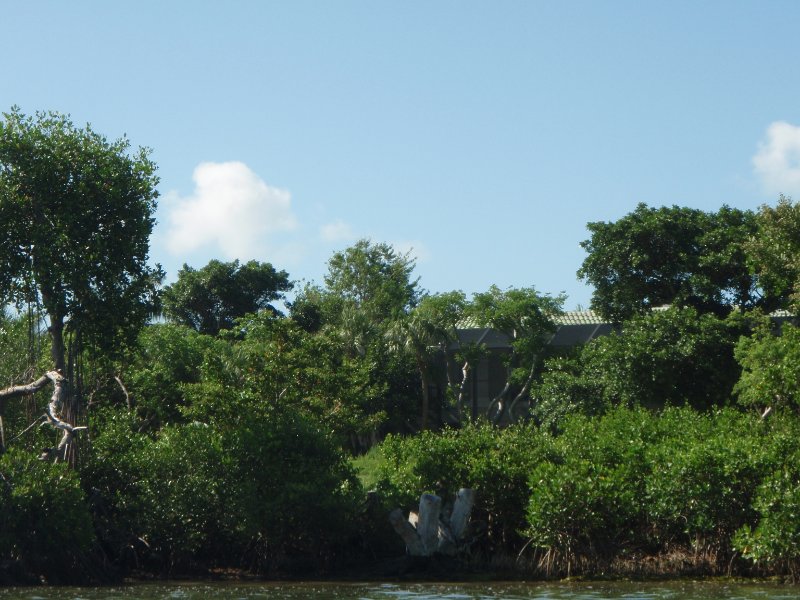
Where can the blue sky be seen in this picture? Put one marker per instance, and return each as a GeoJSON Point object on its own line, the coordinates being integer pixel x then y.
{"type": "Point", "coordinates": [484, 135]}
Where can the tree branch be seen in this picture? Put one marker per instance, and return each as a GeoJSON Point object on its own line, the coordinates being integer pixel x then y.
{"type": "Point", "coordinates": [128, 399]}
{"type": "Point", "coordinates": [24, 390]}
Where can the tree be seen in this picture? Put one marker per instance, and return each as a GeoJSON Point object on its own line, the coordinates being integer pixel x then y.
{"type": "Point", "coordinates": [76, 213]}
{"type": "Point", "coordinates": [426, 331]}
{"type": "Point", "coordinates": [670, 255]}
{"type": "Point", "coordinates": [374, 279]}
{"type": "Point", "coordinates": [213, 297]}
{"type": "Point", "coordinates": [664, 358]}
{"type": "Point", "coordinates": [368, 288]}
{"type": "Point", "coordinates": [770, 369]}
{"type": "Point", "coordinates": [526, 317]}
{"type": "Point", "coordinates": [774, 252]}
{"type": "Point", "coordinates": [448, 310]}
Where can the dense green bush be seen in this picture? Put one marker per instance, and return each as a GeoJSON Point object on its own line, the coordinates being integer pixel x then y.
{"type": "Point", "coordinates": [198, 494]}
{"type": "Point", "coordinates": [588, 503]}
{"type": "Point", "coordinates": [770, 369]}
{"type": "Point", "coordinates": [772, 540]}
{"type": "Point", "coordinates": [292, 492]}
{"type": "Point", "coordinates": [775, 541]}
{"type": "Point", "coordinates": [673, 357]}
{"type": "Point", "coordinates": [167, 358]}
{"type": "Point", "coordinates": [566, 388]}
{"type": "Point", "coordinates": [162, 498]}
{"type": "Point", "coordinates": [45, 526]}
{"type": "Point", "coordinates": [704, 472]}
{"type": "Point", "coordinates": [636, 483]}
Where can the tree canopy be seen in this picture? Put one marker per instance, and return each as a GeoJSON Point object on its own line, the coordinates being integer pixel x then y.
{"type": "Point", "coordinates": [774, 252]}
{"type": "Point", "coordinates": [77, 214]}
{"type": "Point", "coordinates": [373, 278]}
{"type": "Point", "coordinates": [670, 255]}
{"type": "Point", "coordinates": [212, 298]}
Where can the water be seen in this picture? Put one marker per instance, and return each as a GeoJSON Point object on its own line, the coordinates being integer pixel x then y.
{"type": "Point", "coordinates": [685, 590]}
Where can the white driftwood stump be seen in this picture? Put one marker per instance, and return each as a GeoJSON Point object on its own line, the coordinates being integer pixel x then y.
{"type": "Point", "coordinates": [426, 534]}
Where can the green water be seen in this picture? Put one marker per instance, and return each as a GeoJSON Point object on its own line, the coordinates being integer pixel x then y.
{"type": "Point", "coordinates": [415, 591]}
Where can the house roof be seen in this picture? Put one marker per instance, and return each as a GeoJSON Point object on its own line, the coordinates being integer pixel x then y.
{"type": "Point", "coordinates": [580, 317]}
{"type": "Point", "coordinates": [572, 327]}
{"type": "Point", "coordinates": [572, 317]}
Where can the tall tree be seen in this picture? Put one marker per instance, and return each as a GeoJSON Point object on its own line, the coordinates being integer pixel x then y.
{"type": "Point", "coordinates": [670, 255]}
{"type": "Point", "coordinates": [76, 214]}
{"type": "Point", "coordinates": [774, 252]}
{"type": "Point", "coordinates": [374, 278]}
{"type": "Point", "coordinates": [426, 331]}
{"type": "Point", "coordinates": [369, 286]}
{"type": "Point", "coordinates": [770, 368]}
{"type": "Point", "coordinates": [211, 298]}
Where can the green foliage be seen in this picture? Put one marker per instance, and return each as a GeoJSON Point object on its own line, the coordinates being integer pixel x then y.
{"type": "Point", "coordinates": [165, 360]}
{"type": "Point", "coordinates": [526, 318]}
{"type": "Point", "coordinates": [44, 521]}
{"type": "Point", "coordinates": [670, 255]}
{"type": "Point", "coordinates": [773, 252]}
{"type": "Point", "coordinates": [523, 314]}
{"type": "Point", "coordinates": [199, 494]}
{"type": "Point", "coordinates": [664, 358]}
{"type": "Point", "coordinates": [279, 366]}
{"type": "Point", "coordinates": [770, 368]}
{"type": "Point", "coordinates": [566, 387]}
{"type": "Point", "coordinates": [163, 498]}
{"type": "Point", "coordinates": [632, 483]}
{"type": "Point", "coordinates": [775, 541]}
{"type": "Point", "coordinates": [372, 278]}
{"type": "Point", "coordinates": [368, 289]}
{"type": "Point", "coordinates": [367, 466]}
{"type": "Point", "coordinates": [426, 333]}
{"type": "Point", "coordinates": [77, 213]}
{"type": "Point", "coordinates": [589, 501]}
{"type": "Point", "coordinates": [772, 540]}
{"type": "Point", "coordinates": [704, 472]}
{"type": "Point", "coordinates": [212, 298]}
{"type": "Point", "coordinates": [293, 492]}
{"type": "Point", "coordinates": [23, 357]}
{"type": "Point", "coordinates": [20, 346]}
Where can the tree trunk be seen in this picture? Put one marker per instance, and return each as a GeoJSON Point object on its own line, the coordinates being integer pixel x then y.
{"type": "Point", "coordinates": [522, 392]}
{"type": "Point", "coordinates": [68, 411]}
{"type": "Point", "coordinates": [426, 399]}
{"type": "Point", "coordinates": [462, 388]}
{"type": "Point", "coordinates": [498, 402]}
{"type": "Point", "coordinates": [57, 348]}
{"type": "Point", "coordinates": [426, 534]}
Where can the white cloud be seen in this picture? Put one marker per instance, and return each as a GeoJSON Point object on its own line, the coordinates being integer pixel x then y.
{"type": "Point", "coordinates": [777, 162]}
{"type": "Point", "coordinates": [336, 231]}
{"type": "Point", "coordinates": [231, 209]}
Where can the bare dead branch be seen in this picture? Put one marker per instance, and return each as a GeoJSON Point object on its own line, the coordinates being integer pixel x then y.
{"type": "Point", "coordinates": [24, 390]}
{"type": "Point", "coordinates": [52, 412]}
{"type": "Point", "coordinates": [128, 399]}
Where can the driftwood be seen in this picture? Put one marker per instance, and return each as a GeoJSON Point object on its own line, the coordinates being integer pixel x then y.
{"type": "Point", "coordinates": [52, 412]}
{"type": "Point", "coordinates": [426, 533]}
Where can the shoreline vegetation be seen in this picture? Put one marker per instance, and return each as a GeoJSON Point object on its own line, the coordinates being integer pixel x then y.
{"type": "Point", "coordinates": [196, 429]}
